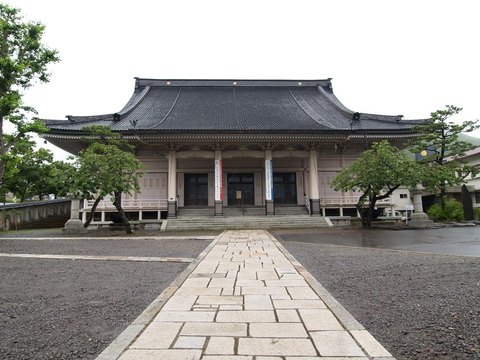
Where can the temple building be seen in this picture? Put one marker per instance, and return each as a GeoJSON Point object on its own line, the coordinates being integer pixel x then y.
{"type": "Point", "coordinates": [217, 144]}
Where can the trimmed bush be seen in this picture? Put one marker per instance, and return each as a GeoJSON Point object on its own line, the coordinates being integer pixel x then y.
{"type": "Point", "coordinates": [453, 211]}
{"type": "Point", "coordinates": [476, 213]}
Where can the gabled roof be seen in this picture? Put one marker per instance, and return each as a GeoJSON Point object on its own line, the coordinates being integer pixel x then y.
{"type": "Point", "coordinates": [280, 106]}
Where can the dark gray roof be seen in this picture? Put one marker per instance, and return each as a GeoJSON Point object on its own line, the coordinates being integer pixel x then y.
{"type": "Point", "coordinates": [165, 106]}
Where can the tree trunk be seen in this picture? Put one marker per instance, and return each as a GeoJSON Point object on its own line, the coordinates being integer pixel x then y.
{"type": "Point", "coordinates": [371, 209]}
{"type": "Point", "coordinates": [443, 193]}
{"type": "Point", "coordinates": [2, 151]}
{"type": "Point", "coordinates": [92, 212]}
{"type": "Point", "coordinates": [118, 205]}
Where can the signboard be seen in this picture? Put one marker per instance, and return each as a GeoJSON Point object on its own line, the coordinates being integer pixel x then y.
{"type": "Point", "coordinates": [218, 181]}
{"type": "Point", "coordinates": [238, 195]}
{"type": "Point", "coordinates": [268, 180]}
{"type": "Point", "coordinates": [409, 207]}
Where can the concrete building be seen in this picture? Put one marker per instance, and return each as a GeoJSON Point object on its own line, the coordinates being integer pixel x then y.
{"type": "Point", "coordinates": [217, 144]}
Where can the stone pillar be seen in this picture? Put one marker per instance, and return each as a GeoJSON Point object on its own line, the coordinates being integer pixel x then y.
{"type": "Point", "coordinates": [269, 191]}
{"type": "Point", "coordinates": [314, 194]}
{"type": "Point", "coordinates": [419, 219]}
{"type": "Point", "coordinates": [172, 184]}
{"type": "Point", "coordinates": [74, 225]}
{"type": "Point", "coordinates": [218, 205]}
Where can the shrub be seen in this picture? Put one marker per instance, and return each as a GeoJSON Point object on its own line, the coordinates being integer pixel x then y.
{"type": "Point", "coordinates": [453, 211]}
{"type": "Point", "coordinates": [476, 213]}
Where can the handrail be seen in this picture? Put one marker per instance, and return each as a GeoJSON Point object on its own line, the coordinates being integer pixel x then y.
{"type": "Point", "coordinates": [129, 204]}
{"type": "Point", "coordinates": [349, 200]}
{"type": "Point", "coordinates": [307, 204]}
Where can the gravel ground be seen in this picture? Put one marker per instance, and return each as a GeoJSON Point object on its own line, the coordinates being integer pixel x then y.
{"type": "Point", "coordinates": [58, 232]}
{"type": "Point", "coordinates": [419, 306]}
{"type": "Point", "coordinates": [111, 247]}
{"type": "Point", "coordinates": [64, 309]}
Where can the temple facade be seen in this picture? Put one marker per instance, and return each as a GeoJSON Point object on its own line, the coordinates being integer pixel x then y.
{"type": "Point", "coordinates": [219, 144]}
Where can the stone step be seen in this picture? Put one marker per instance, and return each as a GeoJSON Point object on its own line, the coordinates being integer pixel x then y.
{"type": "Point", "coordinates": [251, 222]}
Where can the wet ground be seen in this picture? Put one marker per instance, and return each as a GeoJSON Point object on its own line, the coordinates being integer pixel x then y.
{"type": "Point", "coordinates": [463, 241]}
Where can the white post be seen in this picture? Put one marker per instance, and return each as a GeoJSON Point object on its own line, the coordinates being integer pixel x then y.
{"type": "Point", "coordinates": [314, 193]}
{"type": "Point", "coordinates": [218, 201]}
{"type": "Point", "coordinates": [269, 191]}
{"type": "Point", "coordinates": [172, 184]}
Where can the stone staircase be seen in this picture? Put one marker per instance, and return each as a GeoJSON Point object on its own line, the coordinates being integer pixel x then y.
{"type": "Point", "coordinates": [253, 218]}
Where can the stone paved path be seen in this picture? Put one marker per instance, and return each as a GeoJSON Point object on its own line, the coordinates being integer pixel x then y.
{"type": "Point", "coordinates": [248, 299]}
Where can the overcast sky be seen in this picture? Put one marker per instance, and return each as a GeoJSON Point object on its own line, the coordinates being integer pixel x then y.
{"type": "Point", "coordinates": [387, 57]}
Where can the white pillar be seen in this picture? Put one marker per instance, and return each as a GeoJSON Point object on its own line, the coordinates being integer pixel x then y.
{"type": "Point", "coordinates": [269, 191]}
{"type": "Point", "coordinates": [172, 184]}
{"type": "Point", "coordinates": [218, 203]}
{"type": "Point", "coordinates": [314, 193]}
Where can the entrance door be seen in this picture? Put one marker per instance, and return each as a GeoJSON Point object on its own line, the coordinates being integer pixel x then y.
{"type": "Point", "coordinates": [285, 188]}
{"type": "Point", "coordinates": [196, 189]}
{"type": "Point", "coordinates": [243, 183]}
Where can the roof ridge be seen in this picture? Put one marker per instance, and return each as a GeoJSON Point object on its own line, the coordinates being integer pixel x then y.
{"type": "Point", "coordinates": [169, 111]}
{"type": "Point", "coordinates": [319, 120]}
{"type": "Point", "coordinates": [128, 109]}
{"type": "Point", "coordinates": [230, 82]}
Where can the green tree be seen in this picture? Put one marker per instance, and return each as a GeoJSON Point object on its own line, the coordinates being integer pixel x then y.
{"type": "Point", "coordinates": [441, 151]}
{"type": "Point", "coordinates": [107, 167]}
{"type": "Point", "coordinates": [23, 61]}
{"type": "Point", "coordinates": [377, 173]}
{"type": "Point", "coordinates": [61, 177]}
{"type": "Point", "coordinates": [28, 174]}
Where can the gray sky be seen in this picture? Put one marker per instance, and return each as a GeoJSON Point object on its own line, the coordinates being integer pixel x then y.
{"type": "Point", "coordinates": [387, 57]}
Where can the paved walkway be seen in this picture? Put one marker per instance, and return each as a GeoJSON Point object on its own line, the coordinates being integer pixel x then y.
{"type": "Point", "coordinates": [249, 299]}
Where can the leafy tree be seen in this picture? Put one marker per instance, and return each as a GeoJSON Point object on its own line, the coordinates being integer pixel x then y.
{"type": "Point", "coordinates": [441, 149]}
{"type": "Point", "coordinates": [27, 174]}
{"type": "Point", "coordinates": [107, 167]}
{"type": "Point", "coordinates": [61, 177]}
{"type": "Point", "coordinates": [23, 61]}
{"type": "Point", "coordinates": [377, 173]}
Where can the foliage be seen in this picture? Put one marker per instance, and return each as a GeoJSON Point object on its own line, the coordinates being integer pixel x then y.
{"type": "Point", "coordinates": [439, 138]}
{"type": "Point", "coordinates": [106, 167]}
{"type": "Point", "coordinates": [27, 175]}
{"type": "Point", "coordinates": [452, 210]}
{"type": "Point", "coordinates": [476, 213]}
{"type": "Point", "coordinates": [23, 61]}
{"type": "Point", "coordinates": [376, 174]}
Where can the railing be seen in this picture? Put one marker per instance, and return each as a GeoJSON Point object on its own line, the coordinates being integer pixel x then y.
{"type": "Point", "coordinates": [349, 200]}
{"type": "Point", "coordinates": [307, 205]}
{"type": "Point", "coordinates": [129, 204]}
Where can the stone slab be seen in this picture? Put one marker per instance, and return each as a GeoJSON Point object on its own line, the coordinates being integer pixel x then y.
{"type": "Point", "coordinates": [370, 344]}
{"type": "Point", "coordinates": [245, 316]}
{"type": "Point", "coordinates": [277, 330]}
{"type": "Point", "coordinates": [170, 354]}
{"type": "Point", "coordinates": [335, 343]}
{"type": "Point", "coordinates": [319, 319]}
{"type": "Point", "coordinates": [159, 335]}
{"type": "Point", "coordinates": [214, 329]}
{"type": "Point", "coordinates": [279, 347]}
{"type": "Point", "coordinates": [220, 345]}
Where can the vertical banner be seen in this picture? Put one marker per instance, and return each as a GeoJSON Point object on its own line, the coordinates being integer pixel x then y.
{"type": "Point", "coordinates": [218, 181]}
{"type": "Point", "coordinates": [268, 180]}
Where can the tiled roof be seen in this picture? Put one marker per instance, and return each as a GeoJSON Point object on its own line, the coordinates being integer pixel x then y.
{"type": "Point", "coordinates": [234, 106]}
